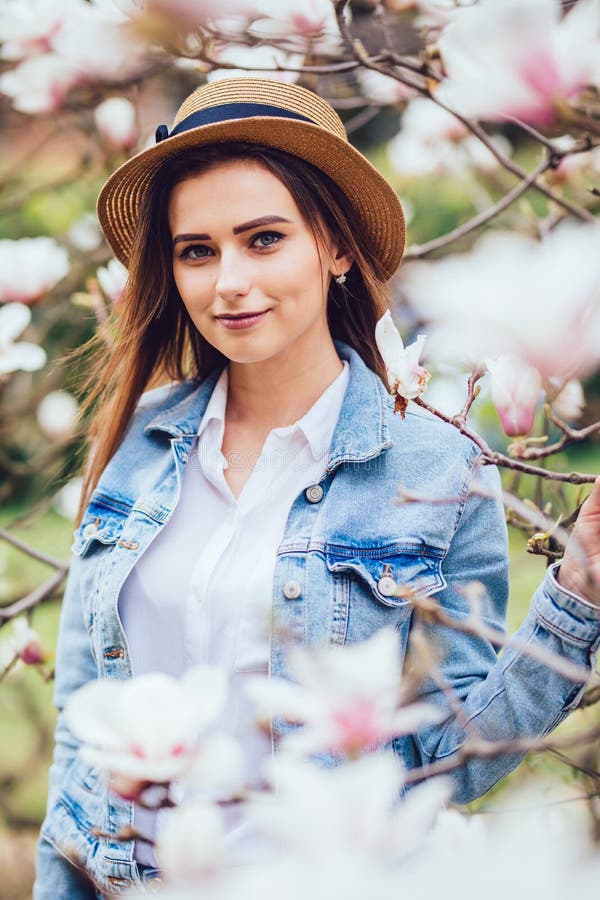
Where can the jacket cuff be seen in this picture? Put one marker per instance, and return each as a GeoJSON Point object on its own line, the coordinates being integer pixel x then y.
{"type": "Point", "coordinates": [567, 615]}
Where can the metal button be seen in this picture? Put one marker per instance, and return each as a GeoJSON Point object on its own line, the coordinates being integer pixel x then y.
{"type": "Point", "coordinates": [89, 531]}
{"type": "Point", "coordinates": [292, 590]}
{"type": "Point", "coordinates": [314, 493]}
{"type": "Point", "coordinates": [387, 586]}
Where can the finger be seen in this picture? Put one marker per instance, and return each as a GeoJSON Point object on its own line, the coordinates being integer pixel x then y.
{"type": "Point", "coordinates": [592, 502]}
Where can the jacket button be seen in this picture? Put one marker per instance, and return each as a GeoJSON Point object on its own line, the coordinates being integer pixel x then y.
{"type": "Point", "coordinates": [292, 590]}
{"type": "Point", "coordinates": [314, 493]}
{"type": "Point", "coordinates": [89, 531]}
{"type": "Point", "coordinates": [387, 586]}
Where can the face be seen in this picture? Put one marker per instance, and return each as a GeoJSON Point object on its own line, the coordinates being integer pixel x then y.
{"type": "Point", "coordinates": [249, 270]}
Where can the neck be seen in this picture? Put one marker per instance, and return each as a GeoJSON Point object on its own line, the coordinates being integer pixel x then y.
{"type": "Point", "coordinates": [276, 392]}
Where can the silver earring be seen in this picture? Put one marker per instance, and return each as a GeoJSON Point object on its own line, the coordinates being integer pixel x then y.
{"type": "Point", "coordinates": [340, 279]}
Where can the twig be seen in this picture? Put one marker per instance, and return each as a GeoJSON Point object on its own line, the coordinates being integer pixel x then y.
{"type": "Point", "coordinates": [31, 551]}
{"type": "Point", "coordinates": [481, 218]}
{"type": "Point", "coordinates": [35, 597]}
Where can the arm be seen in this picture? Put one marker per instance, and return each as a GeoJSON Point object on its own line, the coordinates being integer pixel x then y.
{"type": "Point", "coordinates": [56, 878]}
{"type": "Point", "coordinates": [510, 696]}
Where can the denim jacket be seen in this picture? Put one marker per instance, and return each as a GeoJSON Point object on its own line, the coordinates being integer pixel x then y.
{"type": "Point", "coordinates": [340, 540]}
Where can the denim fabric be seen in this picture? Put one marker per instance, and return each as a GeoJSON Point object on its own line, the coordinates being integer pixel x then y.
{"type": "Point", "coordinates": [336, 549]}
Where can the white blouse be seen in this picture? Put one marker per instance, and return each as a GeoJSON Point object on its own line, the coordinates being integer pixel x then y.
{"type": "Point", "coordinates": [202, 591]}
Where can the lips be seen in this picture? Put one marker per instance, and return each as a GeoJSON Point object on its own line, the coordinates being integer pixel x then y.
{"type": "Point", "coordinates": [243, 320]}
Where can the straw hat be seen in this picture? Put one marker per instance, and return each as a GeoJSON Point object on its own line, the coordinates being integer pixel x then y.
{"type": "Point", "coordinates": [273, 114]}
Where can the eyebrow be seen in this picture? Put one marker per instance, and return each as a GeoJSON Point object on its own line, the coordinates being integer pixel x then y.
{"type": "Point", "coordinates": [255, 223]}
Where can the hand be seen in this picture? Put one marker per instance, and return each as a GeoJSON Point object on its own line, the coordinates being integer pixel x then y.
{"type": "Point", "coordinates": [580, 568]}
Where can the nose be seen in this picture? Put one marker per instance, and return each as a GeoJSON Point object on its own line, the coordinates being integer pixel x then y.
{"type": "Point", "coordinates": [232, 278]}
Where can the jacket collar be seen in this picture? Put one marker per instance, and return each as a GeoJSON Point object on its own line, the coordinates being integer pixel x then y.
{"type": "Point", "coordinates": [361, 432]}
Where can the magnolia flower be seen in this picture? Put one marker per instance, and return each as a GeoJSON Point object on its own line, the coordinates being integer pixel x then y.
{"type": "Point", "coordinates": [147, 730]}
{"type": "Point", "coordinates": [39, 84]}
{"type": "Point", "coordinates": [433, 141]}
{"type": "Point", "coordinates": [112, 278]}
{"type": "Point", "coordinates": [515, 389]}
{"type": "Point", "coordinates": [407, 379]}
{"type": "Point", "coordinates": [298, 22]}
{"type": "Point", "coordinates": [14, 319]}
{"type": "Point", "coordinates": [115, 120]}
{"type": "Point", "coordinates": [84, 233]}
{"type": "Point", "coordinates": [535, 299]}
{"type": "Point", "coordinates": [26, 29]}
{"type": "Point", "coordinates": [190, 844]}
{"type": "Point", "coordinates": [189, 13]}
{"type": "Point", "coordinates": [30, 267]}
{"type": "Point", "coordinates": [347, 698]}
{"type": "Point", "coordinates": [66, 501]}
{"type": "Point", "coordinates": [506, 59]}
{"type": "Point", "coordinates": [254, 58]}
{"type": "Point", "coordinates": [568, 401]}
{"type": "Point", "coordinates": [57, 415]}
{"type": "Point", "coordinates": [348, 812]}
{"type": "Point", "coordinates": [26, 644]}
{"type": "Point", "coordinates": [382, 88]}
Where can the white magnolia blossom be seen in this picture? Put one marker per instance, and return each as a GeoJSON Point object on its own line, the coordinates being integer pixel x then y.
{"type": "Point", "coordinates": [406, 377]}
{"type": "Point", "coordinates": [536, 299]}
{"type": "Point", "coordinates": [349, 812]}
{"type": "Point", "coordinates": [190, 844]}
{"type": "Point", "coordinates": [30, 267]}
{"type": "Point", "coordinates": [85, 234]}
{"type": "Point", "coordinates": [506, 58]}
{"type": "Point", "coordinates": [116, 121]}
{"type": "Point", "coordinates": [39, 84]}
{"type": "Point", "coordinates": [254, 59]}
{"type": "Point", "coordinates": [348, 699]}
{"type": "Point", "coordinates": [382, 88]}
{"type": "Point", "coordinates": [298, 23]}
{"type": "Point", "coordinates": [568, 400]}
{"type": "Point", "coordinates": [433, 141]}
{"type": "Point", "coordinates": [515, 389]}
{"type": "Point", "coordinates": [26, 29]}
{"type": "Point", "coordinates": [66, 501]}
{"type": "Point", "coordinates": [57, 415]}
{"type": "Point", "coordinates": [149, 729]}
{"type": "Point", "coordinates": [112, 279]}
{"type": "Point", "coordinates": [25, 643]}
{"type": "Point", "coordinates": [17, 355]}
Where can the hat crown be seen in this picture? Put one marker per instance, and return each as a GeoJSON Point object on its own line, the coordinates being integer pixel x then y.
{"type": "Point", "coordinates": [296, 100]}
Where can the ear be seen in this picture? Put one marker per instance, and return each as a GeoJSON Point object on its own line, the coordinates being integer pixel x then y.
{"type": "Point", "coordinates": [340, 263]}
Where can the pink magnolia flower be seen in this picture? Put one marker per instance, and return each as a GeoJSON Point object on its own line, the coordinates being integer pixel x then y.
{"type": "Point", "coordinates": [149, 729]}
{"type": "Point", "coordinates": [505, 58]}
{"type": "Point", "coordinates": [57, 415]}
{"type": "Point", "coordinates": [298, 22]}
{"type": "Point", "coordinates": [515, 388]}
{"type": "Point", "coordinates": [17, 355]}
{"type": "Point", "coordinates": [347, 698]}
{"type": "Point", "coordinates": [383, 89]}
{"type": "Point", "coordinates": [39, 84]}
{"type": "Point", "coordinates": [258, 61]}
{"type": "Point", "coordinates": [26, 29]}
{"type": "Point", "coordinates": [535, 299]}
{"type": "Point", "coordinates": [26, 643]}
{"type": "Point", "coordinates": [568, 399]}
{"type": "Point", "coordinates": [116, 121]}
{"type": "Point", "coordinates": [407, 379]}
{"type": "Point", "coordinates": [112, 278]}
{"type": "Point", "coordinates": [190, 844]}
{"type": "Point", "coordinates": [30, 267]}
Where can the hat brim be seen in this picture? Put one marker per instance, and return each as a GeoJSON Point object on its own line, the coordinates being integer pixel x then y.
{"type": "Point", "coordinates": [369, 193]}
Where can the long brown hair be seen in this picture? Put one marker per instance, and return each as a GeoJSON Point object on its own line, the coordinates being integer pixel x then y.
{"type": "Point", "coordinates": [156, 340]}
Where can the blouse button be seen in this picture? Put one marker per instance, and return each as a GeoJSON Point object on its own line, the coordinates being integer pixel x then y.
{"type": "Point", "coordinates": [314, 493]}
{"type": "Point", "coordinates": [291, 590]}
{"type": "Point", "coordinates": [89, 531]}
{"type": "Point", "coordinates": [387, 586]}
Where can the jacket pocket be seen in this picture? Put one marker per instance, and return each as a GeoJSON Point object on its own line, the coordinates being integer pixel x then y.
{"type": "Point", "coordinates": [374, 587]}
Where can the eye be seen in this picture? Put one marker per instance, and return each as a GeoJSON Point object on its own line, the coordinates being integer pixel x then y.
{"type": "Point", "coordinates": [195, 251]}
{"type": "Point", "coordinates": [266, 239]}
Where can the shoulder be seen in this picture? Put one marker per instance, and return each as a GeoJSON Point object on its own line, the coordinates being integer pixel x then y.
{"type": "Point", "coordinates": [428, 434]}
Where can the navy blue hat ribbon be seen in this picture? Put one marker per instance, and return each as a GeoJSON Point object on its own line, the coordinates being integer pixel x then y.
{"type": "Point", "coordinates": [224, 113]}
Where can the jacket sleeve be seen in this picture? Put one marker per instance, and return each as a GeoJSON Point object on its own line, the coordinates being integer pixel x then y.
{"type": "Point", "coordinates": [508, 695]}
{"type": "Point", "coordinates": [56, 877]}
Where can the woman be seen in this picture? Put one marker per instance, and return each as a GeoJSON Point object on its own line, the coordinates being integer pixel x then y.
{"type": "Point", "coordinates": [250, 502]}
